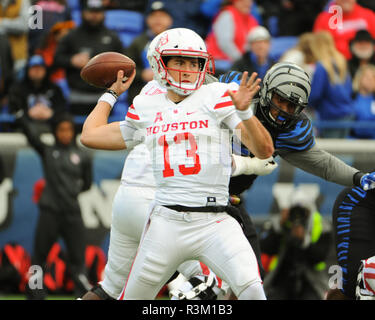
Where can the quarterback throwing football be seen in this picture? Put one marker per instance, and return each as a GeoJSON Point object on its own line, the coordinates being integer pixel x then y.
{"type": "Point", "coordinates": [188, 133]}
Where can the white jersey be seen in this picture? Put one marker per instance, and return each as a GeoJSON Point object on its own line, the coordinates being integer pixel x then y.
{"type": "Point", "coordinates": [189, 143]}
{"type": "Point", "coordinates": [137, 170]}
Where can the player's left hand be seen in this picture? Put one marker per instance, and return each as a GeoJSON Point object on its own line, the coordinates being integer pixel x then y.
{"type": "Point", "coordinates": [247, 90]}
{"type": "Point", "coordinates": [368, 181]}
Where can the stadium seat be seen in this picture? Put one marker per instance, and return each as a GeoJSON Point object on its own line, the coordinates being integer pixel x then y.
{"type": "Point", "coordinates": [281, 44]}
{"type": "Point", "coordinates": [124, 20]}
{"type": "Point", "coordinates": [76, 16]}
{"type": "Point", "coordinates": [126, 38]}
{"type": "Point", "coordinates": [74, 4]}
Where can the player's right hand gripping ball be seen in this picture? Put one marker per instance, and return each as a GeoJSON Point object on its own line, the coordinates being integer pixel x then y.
{"type": "Point", "coordinates": [101, 70]}
{"type": "Point", "coordinates": [368, 181]}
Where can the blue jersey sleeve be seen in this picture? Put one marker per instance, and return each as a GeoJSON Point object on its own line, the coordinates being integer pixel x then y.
{"type": "Point", "coordinates": [231, 76]}
{"type": "Point", "coordinates": [300, 138]}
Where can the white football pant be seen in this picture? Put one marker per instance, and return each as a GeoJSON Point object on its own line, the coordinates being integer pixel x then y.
{"type": "Point", "coordinates": [130, 211]}
{"type": "Point", "coordinates": [173, 237]}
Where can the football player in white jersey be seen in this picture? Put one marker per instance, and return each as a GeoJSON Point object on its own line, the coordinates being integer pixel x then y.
{"type": "Point", "coordinates": [130, 213]}
{"type": "Point", "coordinates": [191, 161]}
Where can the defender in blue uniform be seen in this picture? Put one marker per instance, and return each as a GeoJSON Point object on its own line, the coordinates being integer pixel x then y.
{"type": "Point", "coordinates": [284, 94]}
{"type": "Point", "coordinates": [353, 219]}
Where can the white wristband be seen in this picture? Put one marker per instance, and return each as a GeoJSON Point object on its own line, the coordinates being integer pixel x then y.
{"type": "Point", "coordinates": [109, 98]}
{"type": "Point", "coordinates": [245, 114]}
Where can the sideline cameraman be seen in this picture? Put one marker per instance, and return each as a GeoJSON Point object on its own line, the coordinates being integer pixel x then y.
{"type": "Point", "coordinates": [297, 242]}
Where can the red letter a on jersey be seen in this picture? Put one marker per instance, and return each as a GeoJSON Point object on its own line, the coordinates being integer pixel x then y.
{"type": "Point", "coordinates": [158, 117]}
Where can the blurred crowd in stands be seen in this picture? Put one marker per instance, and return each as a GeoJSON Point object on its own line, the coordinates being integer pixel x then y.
{"type": "Point", "coordinates": [45, 43]}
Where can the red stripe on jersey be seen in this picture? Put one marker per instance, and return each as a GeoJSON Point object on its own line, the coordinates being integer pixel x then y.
{"type": "Point", "coordinates": [219, 282]}
{"type": "Point", "coordinates": [226, 94]}
{"type": "Point", "coordinates": [205, 269]}
{"type": "Point", "coordinates": [224, 104]}
{"type": "Point", "coordinates": [132, 116]}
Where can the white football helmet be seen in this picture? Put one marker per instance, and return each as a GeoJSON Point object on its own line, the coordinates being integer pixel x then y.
{"type": "Point", "coordinates": [178, 42]}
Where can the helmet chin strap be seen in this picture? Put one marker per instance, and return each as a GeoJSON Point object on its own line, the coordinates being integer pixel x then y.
{"type": "Point", "coordinates": [179, 87]}
{"type": "Point", "coordinates": [275, 119]}
{"type": "Point", "coordinates": [271, 116]}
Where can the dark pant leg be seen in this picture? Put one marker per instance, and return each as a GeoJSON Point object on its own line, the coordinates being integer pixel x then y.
{"type": "Point", "coordinates": [46, 234]}
{"type": "Point", "coordinates": [74, 234]}
{"type": "Point", "coordinates": [252, 236]}
{"type": "Point", "coordinates": [354, 240]}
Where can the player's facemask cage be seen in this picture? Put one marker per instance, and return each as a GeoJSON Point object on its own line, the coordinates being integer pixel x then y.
{"type": "Point", "coordinates": [205, 65]}
{"type": "Point", "coordinates": [280, 118]}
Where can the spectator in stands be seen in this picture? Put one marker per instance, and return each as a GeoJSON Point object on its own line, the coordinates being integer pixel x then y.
{"type": "Point", "coordinates": [257, 58]}
{"type": "Point", "coordinates": [6, 70]}
{"type": "Point", "coordinates": [290, 17]}
{"type": "Point", "coordinates": [158, 19]}
{"type": "Point", "coordinates": [331, 86]}
{"type": "Point", "coordinates": [47, 49]}
{"type": "Point", "coordinates": [36, 95]}
{"type": "Point", "coordinates": [297, 243]}
{"type": "Point", "coordinates": [53, 11]}
{"type": "Point", "coordinates": [186, 14]}
{"type": "Point", "coordinates": [210, 9]}
{"type": "Point", "coordinates": [76, 48]}
{"type": "Point", "coordinates": [132, 5]}
{"type": "Point", "coordinates": [67, 172]}
{"type": "Point", "coordinates": [362, 49]}
{"type": "Point", "coordinates": [14, 18]}
{"type": "Point", "coordinates": [301, 54]}
{"type": "Point", "coordinates": [343, 29]}
{"type": "Point", "coordinates": [364, 100]}
{"type": "Point", "coordinates": [228, 37]}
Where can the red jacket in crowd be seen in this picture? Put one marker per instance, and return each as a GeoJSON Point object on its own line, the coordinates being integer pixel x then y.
{"type": "Point", "coordinates": [243, 24]}
{"type": "Point", "coordinates": [344, 28]}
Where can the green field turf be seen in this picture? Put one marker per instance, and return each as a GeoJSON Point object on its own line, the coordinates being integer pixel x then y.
{"type": "Point", "coordinates": [22, 297]}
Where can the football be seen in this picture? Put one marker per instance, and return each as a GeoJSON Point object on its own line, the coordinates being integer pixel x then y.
{"type": "Point", "coordinates": [101, 70]}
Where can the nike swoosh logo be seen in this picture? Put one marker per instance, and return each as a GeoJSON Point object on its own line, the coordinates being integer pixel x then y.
{"type": "Point", "coordinates": [189, 113]}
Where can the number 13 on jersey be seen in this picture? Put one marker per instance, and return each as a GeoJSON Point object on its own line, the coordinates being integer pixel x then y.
{"type": "Point", "coordinates": [191, 153]}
